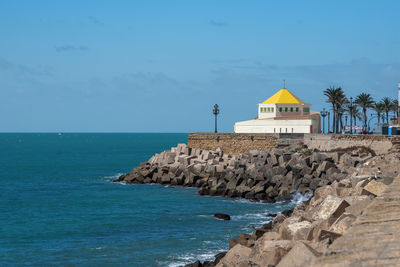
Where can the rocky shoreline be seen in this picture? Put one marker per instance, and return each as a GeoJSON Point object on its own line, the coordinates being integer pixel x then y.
{"type": "Point", "coordinates": [342, 184]}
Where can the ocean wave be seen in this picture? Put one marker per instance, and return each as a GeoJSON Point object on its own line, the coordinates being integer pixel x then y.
{"type": "Point", "coordinates": [249, 216]}
{"type": "Point", "coordinates": [202, 256]}
{"type": "Point", "coordinates": [112, 177]}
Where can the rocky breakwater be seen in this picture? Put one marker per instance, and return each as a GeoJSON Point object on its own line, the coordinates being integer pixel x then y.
{"type": "Point", "coordinates": [319, 229]}
{"type": "Point", "coordinates": [258, 175]}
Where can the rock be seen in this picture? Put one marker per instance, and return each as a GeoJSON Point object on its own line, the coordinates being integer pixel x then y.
{"type": "Point", "coordinates": [357, 204]}
{"type": "Point", "coordinates": [299, 256]}
{"type": "Point", "coordinates": [330, 209]}
{"type": "Point", "coordinates": [332, 236]}
{"type": "Point", "coordinates": [342, 223]}
{"type": "Point", "coordinates": [195, 264]}
{"type": "Point", "coordinates": [219, 256]}
{"type": "Point", "coordinates": [222, 216]}
{"type": "Point", "coordinates": [376, 188]}
{"type": "Point", "coordinates": [278, 219]}
{"type": "Point", "coordinates": [237, 256]}
{"type": "Point", "coordinates": [244, 240]}
{"type": "Point", "coordinates": [325, 165]}
{"type": "Point", "coordinates": [318, 157]}
{"type": "Point", "coordinates": [259, 232]}
{"type": "Point", "coordinates": [270, 252]}
{"type": "Point", "coordinates": [321, 193]}
{"type": "Point", "coordinates": [294, 228]}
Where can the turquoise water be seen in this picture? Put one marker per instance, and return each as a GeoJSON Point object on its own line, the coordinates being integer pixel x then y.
{"type": "Point", "coordinates": [59, 207]}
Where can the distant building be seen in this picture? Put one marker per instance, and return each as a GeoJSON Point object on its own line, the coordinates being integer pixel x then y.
{"type": "Point", "coordinates": [282, 113]}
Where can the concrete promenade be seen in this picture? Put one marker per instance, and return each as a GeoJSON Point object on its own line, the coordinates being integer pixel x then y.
{"type": "Point", "coordinates": [374, 238]}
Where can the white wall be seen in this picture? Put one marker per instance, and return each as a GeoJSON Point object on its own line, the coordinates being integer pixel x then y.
{"type": "Point", "coordinates": [266, 115]}
{"type": "Point", "coordinates": [280, 126]}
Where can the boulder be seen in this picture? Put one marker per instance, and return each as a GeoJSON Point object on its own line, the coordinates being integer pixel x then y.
{"type": "Point", "coordinates": [219, 256]}
{"type": "Point", "coordinates": [331, 236]}
{"type": "Point", "coordinates": [342, 223]}
{"type": "Point", "coordinates": [323, 167]}
{"type": "Point", "coordinates": [222, 216]}
{"type": "Point", "coordinates": [259, 232]}
{"type": "Point", "coordinates": [270, 252]}
{"type": "Point", "coordinates": [195, 264]}
{"type": "Point", "coordinates": [299, 256]}
{"type": "Point", "coordinates": [330, 209]}
{"type": "Point", "coordinates": [357, 204]}
{"type": "Point", "coordinates": [237, 256]}
{"type": "Point", "coordinates": [376, 188]}
{"type": "Point", "coordinates": [243, 239]}
{"type": "Point", "coordinates": [294, 228]}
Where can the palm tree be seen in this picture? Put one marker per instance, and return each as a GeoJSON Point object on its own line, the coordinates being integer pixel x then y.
{"type": "Point", "coordinates": [378, 107]}
{"type": "Point", "coordinates": [395, 107]}
{"type": "Point", "coordinates": [387, 107]}
{"type": "Point", "coordinates": [365, 101]}
{"type": "Point", "coordinates": [335, 96]}
{"type": "Point", "coordinates": [356, 114]}
{"type": "Point", "coordinates": [341, 104]}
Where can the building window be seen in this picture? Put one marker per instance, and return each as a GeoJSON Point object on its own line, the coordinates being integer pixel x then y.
{"type": "Point", "coordinates": [297, 109]}
{"type": "Point", "coordinates": [286, 130]}
{"type": "Point", "coordinates": [286, 109]}
{"type": "Point", "coordinates": [272, 109]}
{"type": "Point", "coordinates": [306, 110]}
{"type": "Point", "coordinates": [268, 110]}
{"type": "Point", "coordinates": [292, 130]}
{"type": "Point", "coordinates": [280, 109]}
{"type": "Point", "coordinates": [274, 130]}
{"type": "Point", "coordinates": [280, 130]}
{"type": "Point", "coordinates": [291, 109]}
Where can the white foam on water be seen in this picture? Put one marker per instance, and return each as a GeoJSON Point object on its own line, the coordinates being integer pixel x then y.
{"type": "Point", "coordinates": [298, 198]}
{"type": "Point", "coordinates": [112, 177]}
{"type": "Point", "coordinates": [201, 255]}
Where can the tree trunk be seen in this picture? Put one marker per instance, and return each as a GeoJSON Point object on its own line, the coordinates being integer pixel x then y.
{"type": "Point", "coordinates": [334, 118]}
{"type": "Point", "coordinates": [387, 117]}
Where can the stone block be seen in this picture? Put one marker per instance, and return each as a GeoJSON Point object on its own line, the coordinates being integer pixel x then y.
{"type": "Point", "coordinates": [299, 256]}
{"type": "Point", "coordinates": [342, 223]}
{"type": "Point", "coordinates": [375, 187]}
{"type": "Point", "coordinates": [237, 256]}
{"type": "Point", "coordinates": [270, 252]}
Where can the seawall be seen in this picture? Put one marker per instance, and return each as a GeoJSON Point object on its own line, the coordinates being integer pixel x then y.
{"type": "Point", "coordinates": [234, 143]}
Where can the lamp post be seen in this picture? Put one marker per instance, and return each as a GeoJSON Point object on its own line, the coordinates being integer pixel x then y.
{"type": "Point", "coordinates": [323, 114]}
{"type": "Point", "coordinates": [345, 118]}
{"type": "Point", "coordinates": [216, 112]}
{"type": "Point", "coordinates": [351, 114]}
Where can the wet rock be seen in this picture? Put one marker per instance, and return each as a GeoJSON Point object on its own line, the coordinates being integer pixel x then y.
{"type": "Point", "coordinates": [195, 264]}
{"type": "Point", "coordinates": [222, 216]}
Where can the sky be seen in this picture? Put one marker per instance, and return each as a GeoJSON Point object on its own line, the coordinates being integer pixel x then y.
{"type": "Point", "coordinates": [160, 66]}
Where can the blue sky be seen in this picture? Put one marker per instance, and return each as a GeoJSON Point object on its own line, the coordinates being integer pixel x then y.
{"type": "Point", "coordinates": [160, 66]}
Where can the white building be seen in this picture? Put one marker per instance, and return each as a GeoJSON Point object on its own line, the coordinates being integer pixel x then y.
{"type": "Point", "coordinates": [282, 113]}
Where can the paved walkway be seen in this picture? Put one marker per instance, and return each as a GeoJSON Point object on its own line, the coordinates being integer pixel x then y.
{"type": "Point", "coordinates": [374, 238]}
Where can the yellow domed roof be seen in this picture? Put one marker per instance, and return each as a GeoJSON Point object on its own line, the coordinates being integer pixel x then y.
{"type": "Point", "coordinates": [283, 96]}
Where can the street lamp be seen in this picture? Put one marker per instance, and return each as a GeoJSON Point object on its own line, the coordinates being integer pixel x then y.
{"type": "Point", "coordinates": [216, 112]}
{"type": "Point", "coordinates": [323, 114]}
{"type": "Point", "coordinates": [345, 118]}
{"type": "Point", "coordinates": [351, 106]}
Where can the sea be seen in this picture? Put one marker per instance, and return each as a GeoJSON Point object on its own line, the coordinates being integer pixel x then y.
{"type": "Point", "coordinates": [59, 206]}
